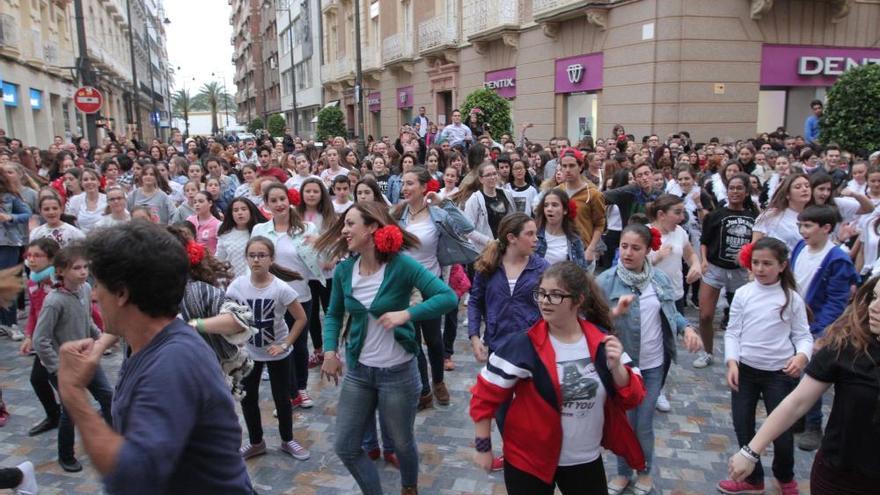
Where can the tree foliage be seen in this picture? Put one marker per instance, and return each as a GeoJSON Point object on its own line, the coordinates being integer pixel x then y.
{"type": "Point", "coordinates": [212, 92]}
{"type": "Point", "coordinates": [495, 111]}
{"type": "Point", "coordinates": [276, 124]}
{"type": "Point", "coordinates": [182, 106]}
{"type": "Point", "coordinates": [852, 114]}
{"type": "Point", "coordinates": [255, 125]}
{"type": "Point", "coordinates": [331, 123]}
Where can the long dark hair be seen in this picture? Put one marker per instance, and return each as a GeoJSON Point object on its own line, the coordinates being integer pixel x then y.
{"type": "Point", "coordinates": [210, 270]}
{"type": "Point", "coordinates": [853, 327]}
{"type": "Point", "coordinates": [748, 204]}
{"type": "Point", "coordinates": [285, 274]}
{"type": "Point", "coordinates": [296, 224]}
{"type": "Point", "coordinates": [325, 205]}
{"type": "Point", "coordinates": [229, 224]}
{"type": "Point", "coordinates": [786, 278]}
{"type": "Point", "coordinates": [332, 244]}
{"type": "Point", "coordinates": [423, 177]}
{"type": "Point", "coordinates": [663, 203]}
{"type": "Point", "coordinates": [372, 185]}
{"type": "Point", "coordinates": [490, 260]}
{"type": "Point", "coordinates": [580, 284]}
{"type": "Point", "coordinates": [568, 225]}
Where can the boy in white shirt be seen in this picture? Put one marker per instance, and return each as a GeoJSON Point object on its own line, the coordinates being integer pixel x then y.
{"type": "Point", "coordinates": [341, 199]}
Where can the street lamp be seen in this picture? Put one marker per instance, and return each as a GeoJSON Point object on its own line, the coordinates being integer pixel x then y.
{"type": "Point", "coordinates": [267, 4]}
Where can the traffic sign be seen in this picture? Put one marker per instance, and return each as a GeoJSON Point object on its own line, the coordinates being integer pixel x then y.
{"type": "Point", "coordinates": [88, 99]}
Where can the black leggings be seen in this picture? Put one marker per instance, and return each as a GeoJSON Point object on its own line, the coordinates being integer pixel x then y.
{"type": "Point", "coordinates": [582, 479]}
{"type": "Point", "coordinates": [433, 335]}
{"type": "Point", "coordinates": [43, 388]}
{"type": "Point", "coordinates": [450, 330]}
{"type": "Point", "coordinates": [320, 301]}
{"type": "Point", "coordinates": [279, 377]}
{"type": "Point", "coordinates": [299, 358]}
{"type": "Point", "coordinates": [10, 477]}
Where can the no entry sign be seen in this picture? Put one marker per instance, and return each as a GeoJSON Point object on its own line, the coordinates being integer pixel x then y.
{"type": "Point", "coordinates": [88, 99]}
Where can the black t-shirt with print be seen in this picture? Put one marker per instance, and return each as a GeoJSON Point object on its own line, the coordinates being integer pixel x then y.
{"type": "Point", "coordinates": [382, 181]}
{"type": "Point", "coordinates": [496, 209]}
{"type": "Point", "coordinates": [725, 232]}
{"type": "Point", "coordinates": [852, 436]}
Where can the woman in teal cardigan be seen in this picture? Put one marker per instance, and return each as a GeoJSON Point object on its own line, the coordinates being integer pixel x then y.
{"type": "Point", "coordinates": [374, 286]}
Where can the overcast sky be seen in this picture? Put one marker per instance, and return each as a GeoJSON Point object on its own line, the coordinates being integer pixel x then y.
{"type": "Point", "coordinates": [198, 42]}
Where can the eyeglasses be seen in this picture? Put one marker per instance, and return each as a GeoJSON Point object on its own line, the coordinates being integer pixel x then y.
{"type": "Point", "coordinates": [552, 298]}
{"type": "Point", "coordinates": [258, 256]}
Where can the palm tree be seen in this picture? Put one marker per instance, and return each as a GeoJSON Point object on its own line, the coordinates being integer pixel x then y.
{"type": "Point", "coordinates": [182, 105]}
{"type": "Point", "coordinates": [213, 93]}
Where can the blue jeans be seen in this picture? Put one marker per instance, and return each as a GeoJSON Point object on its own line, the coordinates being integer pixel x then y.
{"type": "Point", "coordinates": [9, 256]}
{"type": "Point", "coordinates": [102, 392]}
{"type": "Point", "coordinates": [642, 421]}
{"type": "Point", "coordinates": [395, 392]}
{"type": "Point", "coordinates": [371, 438]}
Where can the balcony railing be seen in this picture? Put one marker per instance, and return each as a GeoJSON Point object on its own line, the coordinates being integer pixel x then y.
{"type": "Point", "coordinates": [397, 48]}
{"type": "Point", "coordinates": [543, 10]}
{"type": "Point", "coordinates": [8, 31]}
{"type": "Point", "coordinates": [482, 18]}
{"type": "Point", "coordinates": [336, 70]}
{"type": "Point", "coordinates": [441, 31]}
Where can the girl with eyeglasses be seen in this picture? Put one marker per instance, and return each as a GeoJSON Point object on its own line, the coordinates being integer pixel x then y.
{"type": "Point", "coordinates": [486, 205]}
{"type": "Point", "coordinates": [647, 322]}
{"type": "Point", "coordinates": [551, 440]}
{"type": "Point", "coordinates": [270, 299]}
{"type": "Point", "coordinates": [115, 212]}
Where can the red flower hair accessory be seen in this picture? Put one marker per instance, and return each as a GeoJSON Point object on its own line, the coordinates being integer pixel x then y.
{"type": "Point", "coordinates": [388, 239]}
{"type": "Point", "coordinates": [433, 185]}
{"type": "Point", "coordinates": [656, 239]}
{"type": "Point", "coordinates": [572, 209]}
{"type": "Point", "coordinates": [745, 256]}
{"type": "Point", "coordinates": [196, 252]}
{"type": "Point", "coordinates": [293, 196]}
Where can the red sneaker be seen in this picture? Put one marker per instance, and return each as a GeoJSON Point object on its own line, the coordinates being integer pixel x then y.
{"type": "Point", "coordinates": [498, 463]}
{"type": "Point", "coordinates": [316, 360]}
{"type": "Point", "coordinates": [736, 487]}
{"type": "Point", "coordinates": [391, 458]}
{"type": "Point", "coordinates": [373, 454]}
{"type": "Point", "coordinates": [790, 488]}
{"type": "Point", "coordinates": [303, 400]}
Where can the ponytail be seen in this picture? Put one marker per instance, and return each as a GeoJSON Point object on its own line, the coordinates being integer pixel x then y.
{"type": "Point", "coordinates": [490, 259]}
{"type": "Point", "coordinates": [285, 274]}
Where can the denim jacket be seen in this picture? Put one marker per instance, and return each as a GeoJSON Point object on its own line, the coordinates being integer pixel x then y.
{"type": "Point", "coordinates": [628, 326]}
{"type": "Point", "coordinates": [10, 233]}
{"type": "Point", "coordinates": [505, 314]}
{"type": "Point", "coordinates": [447, 214]}
{"type": "Point", "coordinates": [395, 184]}
{"type": "Point", "coordinates": [575, 249]}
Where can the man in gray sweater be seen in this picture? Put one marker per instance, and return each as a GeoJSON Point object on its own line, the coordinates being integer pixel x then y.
{"type": "Point", "coordinates": [65, 317]}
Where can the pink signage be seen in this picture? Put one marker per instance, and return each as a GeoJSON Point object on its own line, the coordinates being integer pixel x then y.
{"type": "Point", "coordinates": [375, 101]}
{"type": "Point", "coordinates": [405, 97]}
{"type": "Point", "coordinates": [502, 81]}
{"type": "Point", "coordinates": [803, 65]}
{"type": "Point", "coordinates": [579, 73]}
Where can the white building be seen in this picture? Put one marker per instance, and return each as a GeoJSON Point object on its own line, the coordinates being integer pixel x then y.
{"type": "Point", "coordinates": [305, 16]}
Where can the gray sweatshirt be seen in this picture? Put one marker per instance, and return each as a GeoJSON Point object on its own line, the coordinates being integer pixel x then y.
{"type": "Point", "coordinates": [65, 316]}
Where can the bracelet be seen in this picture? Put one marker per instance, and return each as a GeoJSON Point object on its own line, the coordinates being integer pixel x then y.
{"type": "Point", "coordinates": [200, 325]}
{"type": "Point", "coordinates": [749, 454]}
{"type": "Point", "coordinates": [483, 445]}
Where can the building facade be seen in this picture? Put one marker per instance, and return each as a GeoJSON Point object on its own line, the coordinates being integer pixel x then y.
{"type": "Point", "coordinates": [153, 70]}
{"type": "Point", "coordinates": [573, 68]}
{"type": "Point", "coordinates": [38, 53]}
{"type": "Point", "coordinates": [271, 74]}
{"type": "Point", "coordinates": [247, 55]}
{"type": "Point", "coordinates": [299, 39]}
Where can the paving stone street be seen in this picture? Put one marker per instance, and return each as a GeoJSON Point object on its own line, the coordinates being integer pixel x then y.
{"type": "Point", "coordinates": [693, 443]}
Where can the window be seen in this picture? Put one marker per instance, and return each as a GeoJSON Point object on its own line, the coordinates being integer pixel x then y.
{"type": "Point", "coordinates": [304, 75]}
{"type": "Point", "coordinates": [285, 83]}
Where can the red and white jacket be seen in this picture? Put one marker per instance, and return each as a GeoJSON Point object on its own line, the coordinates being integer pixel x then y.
{"type": "Point", "coordinates": [525, 368]}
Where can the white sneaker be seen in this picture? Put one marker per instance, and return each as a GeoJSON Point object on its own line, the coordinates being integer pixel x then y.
{"type": "Point", "coordinates": [28, 484]}
{"type": "Point", "coordinates": [16, 334]}
{"type": "Point", "coordinates": [663, 403]}
{"type": "Point", "coordinates": [703, 360]}
{"type": "Point", "coordinates": [265, 375]}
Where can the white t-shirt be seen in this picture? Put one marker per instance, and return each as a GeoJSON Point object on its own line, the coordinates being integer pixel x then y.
{"type": "Point", "coordinates": [807, 265]}
{"type": "Point", "coordinates": [613, 220]}
{"type": "Point", "coordinates": [87, 219]}
{"type": "Point", "coordinates": [848, 208]}
{"type": "Point", "coordinates": [651, 345]}
{"type": "Point", "coordinates": [64, 234]}
{"type": "Point", "coordinates": [671, 263]}
{"type": "Point", "coordinates": [340, 208]}
{"type": "Point", "coordinates": [380, 350]}
{"type": "Point", "coordinates": [583, 402]}
{"type": "Point", "coordinates": [511, 282]}
{"type": "Point", "coordinates": [870, 241]}
{"type": "Point", "coordinates": [523, 201]}
{"type": "Point", "coordinates": [287, 254]}
{"type": "Point", "coordinates": [328, 175]}
{"type": "Point", "coordinates": [783, 227]}
{"type": "Point", "coordinates": [557, 248]}
{"type": "Point", "coordinates": [429, 237]}
{"type": "Point", "coordinates": [268, 305]}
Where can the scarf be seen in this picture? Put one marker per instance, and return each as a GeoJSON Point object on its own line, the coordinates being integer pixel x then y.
{"type": "Point", "coordinates": [637, 281]}
{"type": "Point", "coordinates": [43, 274]}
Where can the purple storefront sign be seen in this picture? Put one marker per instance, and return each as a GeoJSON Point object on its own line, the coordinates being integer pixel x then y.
{"type": "Point", "coordinates": [579, 73]}
{"type": "Point", "coordinates": [405, 97]}
{"type": "Point", "coordinates": [802, 65]}
{"type": "Point", "coordinates": [502, 81]}
{"type": "Point", "coordinates": [375, 101]}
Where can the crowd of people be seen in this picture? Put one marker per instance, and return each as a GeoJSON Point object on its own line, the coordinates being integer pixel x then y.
{"type": "Point", "coordinates": [214, 265]}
